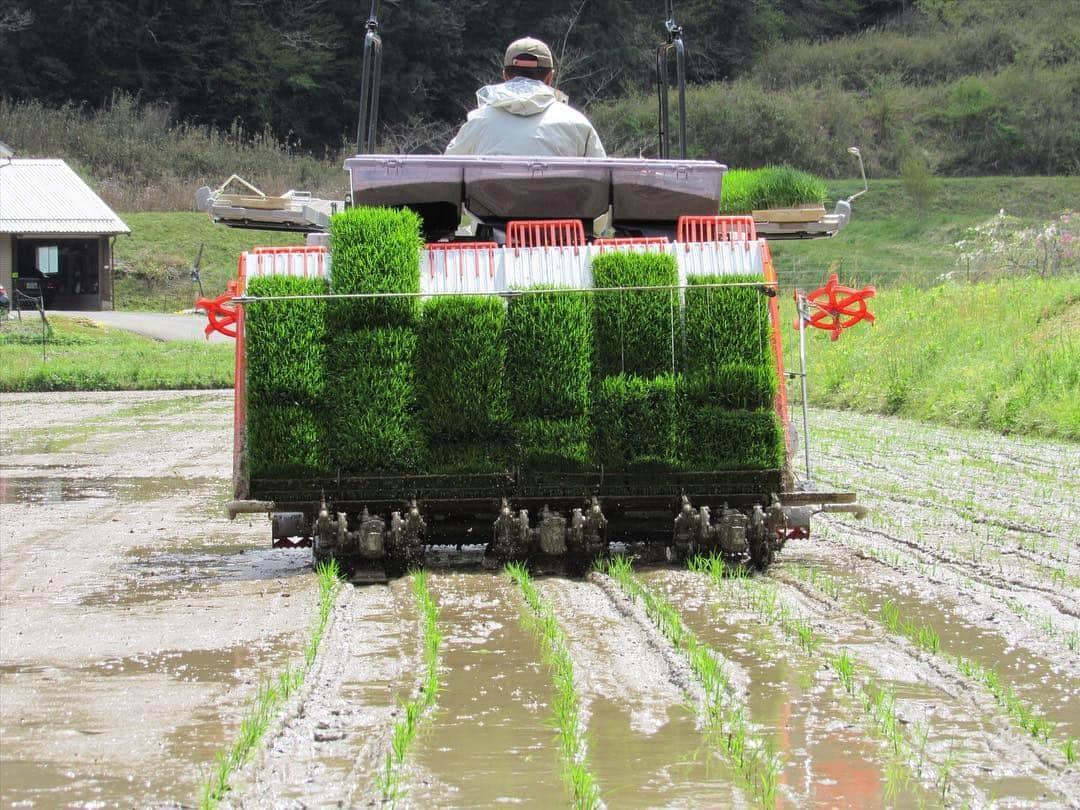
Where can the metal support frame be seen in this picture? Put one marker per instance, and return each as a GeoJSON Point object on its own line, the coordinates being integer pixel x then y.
{"type": "Point", "coordinates": [802, 304]}
{"type": "Point", "coordinates": [663, 81]}
{"type": "Point", "coordinates": [370, 77]}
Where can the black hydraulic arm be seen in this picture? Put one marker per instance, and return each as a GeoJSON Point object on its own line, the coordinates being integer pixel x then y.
{"type": "Point", "coordinates": [674, 45]}
{"type": "Point", "coordinates": [369, 84]}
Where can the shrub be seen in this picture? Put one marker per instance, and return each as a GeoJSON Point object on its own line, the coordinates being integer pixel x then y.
{"type": "Point", "coordinates": [720, 439]}
{"type": "Point", "coordinates": [553, 444]}
{"type": "Point", "coordinates": [634, 330]}
{"type": "Point", "coordinates": [549, 344]}
{"type": "Point", "coordinates": [371, 409]}
{"type": "Point", "coordinates": [285, 340]}
{"type": "Point", "coordinates": [746, 190]}
{"type": "Point", "coordinates": [285, 440]}
{"type": "Point", "coordinates": [375, 250]}
{"type": "Point", "coordinates": [636, 421]}
{"type": "Point", "coordinates": [461, 368]}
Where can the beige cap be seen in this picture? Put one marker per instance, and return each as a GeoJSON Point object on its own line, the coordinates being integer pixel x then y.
{"type": "Point", "coordinates": [528, 52]}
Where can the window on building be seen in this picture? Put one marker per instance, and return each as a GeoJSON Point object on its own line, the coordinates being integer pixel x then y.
{"type": "Point", "coordinates": [48, 260]}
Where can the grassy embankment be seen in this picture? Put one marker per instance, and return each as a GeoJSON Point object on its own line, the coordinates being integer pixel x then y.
{"type": "Point", "coordinates": [1001, 354]}
{"type": "Point", "coordinates": [83, 356]}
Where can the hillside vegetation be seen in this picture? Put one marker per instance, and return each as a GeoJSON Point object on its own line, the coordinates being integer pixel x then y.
{"type": "Point", "coordinates": [951, 87]}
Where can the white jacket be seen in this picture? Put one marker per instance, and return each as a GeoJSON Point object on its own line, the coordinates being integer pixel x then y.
{"type": "Point", "coordinates": [524, 117]}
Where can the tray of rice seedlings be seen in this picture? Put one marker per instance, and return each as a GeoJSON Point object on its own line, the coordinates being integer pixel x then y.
{"type": "Point", "coordinates": [729, 357]}
{"type": "Point", "coordinates": [372, 409]}
{"type": "Point", "coordinates": [774, 194]}
{"type": "Point", "coordinates": [636, 420]}
{"type": "Point", "coordinates": [549, 348]}
{"type": "Point", "coordinates": [462, 395]}
{"type": "Point", "coordinates": [286, 441]}
{"type": "Point", "coordinates": [375, 250]}
{"type": "Point", "coordinates": [286, 378]}
{"type": "Point", "coordinates": [635, 331]}
{"type": "Point", "coordinates": [719, 438]}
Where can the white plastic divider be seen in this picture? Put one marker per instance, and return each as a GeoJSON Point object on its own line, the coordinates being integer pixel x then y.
{"type": "Point", "coordinates": [495, 270]}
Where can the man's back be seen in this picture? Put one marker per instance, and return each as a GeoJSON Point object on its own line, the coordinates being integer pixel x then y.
{"type": "Point", "coordinates": [524, 117]}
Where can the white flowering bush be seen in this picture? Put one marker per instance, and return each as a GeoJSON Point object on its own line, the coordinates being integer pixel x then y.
{"type": "Point", "coordinates": [1005, 246]}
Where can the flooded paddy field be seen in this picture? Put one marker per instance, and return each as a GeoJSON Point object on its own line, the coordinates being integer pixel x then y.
{"type": "Point", "coordinates": [928, 655]}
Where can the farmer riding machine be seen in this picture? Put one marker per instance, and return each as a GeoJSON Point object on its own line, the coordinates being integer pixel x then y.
{"type": "Point", "coordinates": [535, 356]}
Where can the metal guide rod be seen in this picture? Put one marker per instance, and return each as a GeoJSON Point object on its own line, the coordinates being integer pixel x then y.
{"type": "Point", "coordinates": [248, 299]}
{"type": "Point", "coordinates": [803, 307]}
{"type": "Point", "coordinates": [370, 77]}
{"type": "Point", "coordinates": [663, 80]}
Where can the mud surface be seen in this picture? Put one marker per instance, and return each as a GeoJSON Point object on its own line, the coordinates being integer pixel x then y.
{"type": "Point", "coordinates": [136, 623]}
{"type": "Point", "coordinates": [135, 620]}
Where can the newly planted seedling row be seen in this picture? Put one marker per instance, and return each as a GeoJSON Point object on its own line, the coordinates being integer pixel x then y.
{"type": "Point", "coordinates": [566, 704]}
{"type": "Point", "coordinates": [926, 638]}
{"type": "Point", "coordinates": [727, 722]}
{"type": "Point", "coordinates": [271, 697]}
{"type": "Point", "coordinates": [388, 780]}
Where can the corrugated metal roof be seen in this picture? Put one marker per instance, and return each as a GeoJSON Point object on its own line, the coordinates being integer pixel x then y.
{"type": "Point", "coordinates": [46, 196]}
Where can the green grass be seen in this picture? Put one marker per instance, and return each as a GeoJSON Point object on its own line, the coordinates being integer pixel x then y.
{"type": "Point", "coordinates": [890, 241]}
{"type": "Point", "coordinates": [462, 457]}
{"type": "Point", "coordinates": [271, 697]}
{"type": "Point", "coordinates": [286, 440]}
{"type": "Point", "coordinates": [153, 263]}
{"type": "Point", "coordinates": [1003, 355]}
{"type": "Point", "coordinates": [565, 704]}
{"type": "Point", "coordinates": [285, 341]}
{"type": "Point", "coordinates": [635, 332]}
{"type": "Point", "coordinates": [461, 362]}
{"type": "Point", "coordinates": [549, 339]}
{"type": "Point", "coordinates": [388, 780]}
{"type": "Point", "coordinates": [375, 250]}
{"type": "Point", "coordinates": [746, 190]}
{"type": "Point", "coordinates": [370, 406]}
{"type": "Point", "coordinates": [83, 356]}
{"type": "Point", "coordinates": [636, 420]}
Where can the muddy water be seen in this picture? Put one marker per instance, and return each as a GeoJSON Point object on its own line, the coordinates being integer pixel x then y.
{"type": "Point", "coordinates": [490, 739]}
{"type": "Point", "coordinates": [645, 746]}
{"type": "Point", "coordinates": [1052, 689]}
{"type": "Point", "coordinates": [829, 757]}
{"type": "Point", "coordinates": [136, 621]}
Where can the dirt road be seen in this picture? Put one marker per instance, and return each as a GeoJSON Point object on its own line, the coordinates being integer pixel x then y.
{"type": "Point", "coordinates": [136, 623]}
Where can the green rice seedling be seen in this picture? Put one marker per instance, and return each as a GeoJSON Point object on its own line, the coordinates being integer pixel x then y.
{"type": "Point", "coordinates": [566, 707]}
{"type": "Point", "coordinates": [388, 781]}
{"type": "Point", "coordinates": [285, 341]}
{"type": "Point", "coordinates": [1069, 749]}
{"type": "Point", "coordinates": [845, 669]}
{"type": "Point", "coordinates": [734, 385]}
{"type": "Point", "coordinates": [636, 421]}
{"type": "Point", "coordinates": [371, 415]}
{"type": "Point", "coordinates": [285, 440]}
{"type": "Point", "coordinates": [636, 332]}
{"type": "Point", "coordinates": [270, 697]}
{"type": "Point", "coordinates": [719, 439]}
{"type": "Point", "coordinates": [549, 354]}
{"type": "Point", "coordinates": [746, 190]}
{"type": "Point", "coordinates": [890, 615]}
{"type": "Point", "coordinates": [553, 444]}
{"type": "Point", "coordinates": [375, 250]}
{"type": "Point", "coordinates": [461, 363]}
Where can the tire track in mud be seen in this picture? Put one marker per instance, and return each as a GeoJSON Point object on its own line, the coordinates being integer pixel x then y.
{"type": "Point", "coordinates": [333, 735]}
{"type": "Point", "coordinates": [489, 739]}
{"type": "Point", "coordinates": [640, 703]}
{"type": "Point", "coordinates": [962, 725]}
